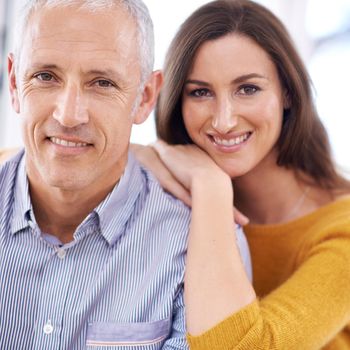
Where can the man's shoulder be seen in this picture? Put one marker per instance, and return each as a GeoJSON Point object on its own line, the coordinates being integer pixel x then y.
{"type": "Point", "coordinates": [8, 170]}
{"type": "Point", "coordinates": [161, 207]}
{"type": "Point", "coordinates": [8, 176]}
{"type": "Point", "coordinates": [163, 217]}
{"type": "Point", "coordinates": [9, 161]}
{"type": "Point", "coordinates": [7, 153]}
{"type": "Point", "coordinates": [162, 201]}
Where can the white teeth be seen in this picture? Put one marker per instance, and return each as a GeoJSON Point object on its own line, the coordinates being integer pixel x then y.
{"type": "Point", "coordinates": [65, 143]}
{"type": "Point", "coordinates": [231, 142]}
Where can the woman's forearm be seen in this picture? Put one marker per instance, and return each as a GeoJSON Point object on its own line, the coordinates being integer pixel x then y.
{"type": "Point", "coordinates": [216, 284]}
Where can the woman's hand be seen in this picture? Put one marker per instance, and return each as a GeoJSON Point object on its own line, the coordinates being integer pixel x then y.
{"type": "Point", "coordinates": [188, 163]}
{"type": "Point", "coordinates": [176, 166]}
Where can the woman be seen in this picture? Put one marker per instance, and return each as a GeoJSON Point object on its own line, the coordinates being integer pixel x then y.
{"type": "Point", "coordinates": [237, 103]}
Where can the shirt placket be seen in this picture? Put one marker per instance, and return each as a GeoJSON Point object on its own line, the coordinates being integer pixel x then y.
{"type": "Point", "coordinates": [53, 295]}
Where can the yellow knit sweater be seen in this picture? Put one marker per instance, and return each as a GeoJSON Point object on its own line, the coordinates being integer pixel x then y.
{"type": "Point", "coordinates": [302, 278]}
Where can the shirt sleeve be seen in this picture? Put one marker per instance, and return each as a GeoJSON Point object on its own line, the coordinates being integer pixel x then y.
{"type": "Point", "coordinates": [305, 312]}
{"type": "Point", "coordinates": [177, 338]}
{"type": "Point", "coordinates": [243, 248]}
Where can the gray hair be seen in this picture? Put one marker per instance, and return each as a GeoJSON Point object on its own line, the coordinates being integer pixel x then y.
{"type": "Point", "coordinates": [136, 8]}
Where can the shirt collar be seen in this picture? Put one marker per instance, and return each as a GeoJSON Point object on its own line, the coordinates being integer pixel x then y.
{"type": "Point", "coordinates": [22, 206]}
{"type": "Point", "coordinates": [115, 211]}
{"type": "Point", "coordinates": [112, 213]}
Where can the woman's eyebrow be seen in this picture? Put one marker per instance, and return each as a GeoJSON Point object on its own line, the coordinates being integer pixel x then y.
{"type": "Point", "coordinates": [239, 79]}
{"type": "Point", "coordinates": [197, 82]}
{"type": "Point", "coordinates": [245, 77]}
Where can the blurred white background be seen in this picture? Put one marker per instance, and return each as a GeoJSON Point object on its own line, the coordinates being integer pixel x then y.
{"type": "Point", "coordinates": [321, 31]}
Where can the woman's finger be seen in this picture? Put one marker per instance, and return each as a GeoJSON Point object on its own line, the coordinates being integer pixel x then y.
{"type": "Point", "coordinates": [240, 218]}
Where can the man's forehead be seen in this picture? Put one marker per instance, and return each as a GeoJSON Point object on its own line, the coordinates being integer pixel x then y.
{"type": "Point", "coordinates": [67, 39]}
{"type": "Point", "coordinates": [67, 23]}
{"type": "Point", "coordinates": [78, 32]}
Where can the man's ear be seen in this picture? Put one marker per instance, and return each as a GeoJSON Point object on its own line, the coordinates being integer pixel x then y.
{"type": "Point", "coordinates": [149, 96]}
{"type": "Point", "coordinates": [11, 68]}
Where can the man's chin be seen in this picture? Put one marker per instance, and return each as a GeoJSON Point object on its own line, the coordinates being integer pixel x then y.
{"type": "Point", "coordinates": [72, 181]}
{"type": "Point", "coordinates": [63, 178]}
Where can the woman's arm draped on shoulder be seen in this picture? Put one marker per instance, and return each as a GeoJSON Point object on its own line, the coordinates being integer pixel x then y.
{"type": "Point", "coordinates": [216, 284]}
{"type": "Point", "coordinates": [147, 156]}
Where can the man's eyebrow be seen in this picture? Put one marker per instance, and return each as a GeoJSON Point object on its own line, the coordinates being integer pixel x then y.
{"type": "Point", "coordinates": [239, 79]}
{"type": "Point", "coordinates": [44, 66]}
{"type": "Point", "coordinates": [98, 72]}
{"type": "Point", "coordinates": [107, 73]}
{"type": "Point", "coordinates": [103, 72]}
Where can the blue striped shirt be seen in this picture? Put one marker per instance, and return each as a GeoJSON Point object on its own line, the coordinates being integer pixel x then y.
{"type": "Point", "coordinates": [117, 285]}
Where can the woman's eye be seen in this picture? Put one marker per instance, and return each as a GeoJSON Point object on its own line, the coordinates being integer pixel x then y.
{"type": "Point", "coordinates": [248, 90]}
{"type": "Point", "coordinates": [104, 83]}
{"type": "Point", "coordinates": [200, 93]}
{"type": "Point", "coordinates": [44, 76]}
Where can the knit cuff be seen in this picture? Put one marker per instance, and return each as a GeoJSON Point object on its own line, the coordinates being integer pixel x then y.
{"type": "Point", "coordinates": [228, 333]}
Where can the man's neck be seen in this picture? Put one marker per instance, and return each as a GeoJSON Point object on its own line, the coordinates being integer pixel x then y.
{"type": "Point", "coordinates": [60, 212]}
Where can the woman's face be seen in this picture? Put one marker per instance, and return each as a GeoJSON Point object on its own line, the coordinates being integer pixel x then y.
{"type": "Point", "coordinates": [233, 104]}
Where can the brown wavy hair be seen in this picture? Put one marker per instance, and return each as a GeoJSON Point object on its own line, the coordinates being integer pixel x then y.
{"type": "Point", "coordinates": [303, 144]}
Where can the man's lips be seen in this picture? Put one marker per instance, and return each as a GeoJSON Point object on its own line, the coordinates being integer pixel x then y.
{"type": "Point", "coordinates": [68, 143]}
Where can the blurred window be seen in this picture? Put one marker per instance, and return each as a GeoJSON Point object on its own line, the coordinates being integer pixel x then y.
{"type": "Point", "coordinates": [328, 25]}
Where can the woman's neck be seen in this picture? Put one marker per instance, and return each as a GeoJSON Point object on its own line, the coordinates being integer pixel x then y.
{"type": "Point", "coordinates": [275, 195]}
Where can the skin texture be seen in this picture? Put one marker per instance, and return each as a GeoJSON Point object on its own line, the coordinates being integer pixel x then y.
{"type": "Point", "coordinates": [77, 80]}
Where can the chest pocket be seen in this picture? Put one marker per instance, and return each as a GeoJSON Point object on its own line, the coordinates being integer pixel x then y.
{"type": "Point", "coordinates": [129, 336]}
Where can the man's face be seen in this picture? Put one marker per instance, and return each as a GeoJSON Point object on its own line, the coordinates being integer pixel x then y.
{"type": "Point", "coordinates": [75, 88]}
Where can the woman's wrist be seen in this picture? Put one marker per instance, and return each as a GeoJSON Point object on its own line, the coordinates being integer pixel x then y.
{"type": "Point", "coordinates": [211, 182]}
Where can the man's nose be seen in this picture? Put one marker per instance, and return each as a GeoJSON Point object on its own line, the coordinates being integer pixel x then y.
{"type": "Point", "coordinates": [224, 117]}
{"type": "Point", "coordinates": [71, 108]}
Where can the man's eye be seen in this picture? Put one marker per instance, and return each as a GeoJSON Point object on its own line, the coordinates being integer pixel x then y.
{"type": "Point", "coordinates": [248, 90]}
{"type": "Point", "coordinates": [104, 83]}
{"type": "Point", "coordinates": [200, 93]}
{"type": "Point", "coordinates": [44, 76]}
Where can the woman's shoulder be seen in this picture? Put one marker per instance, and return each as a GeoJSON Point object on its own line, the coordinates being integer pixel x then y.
{"type": "Point", "coordinates": [328, 208]}
{"type": "Point", "coordinates": [327, 217]}
{"type": "Point", "coordinates": [330, 223]}
{"type": "Point", "coordinates": [339, 206]}
{"type": "Point", "coordinates": [333, 213]}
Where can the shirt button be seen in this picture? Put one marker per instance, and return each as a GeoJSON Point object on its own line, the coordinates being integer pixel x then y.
{"type": "Point", "coordinates": [48, 328]}
{"type": "Point", "coordinates": [61, 253]}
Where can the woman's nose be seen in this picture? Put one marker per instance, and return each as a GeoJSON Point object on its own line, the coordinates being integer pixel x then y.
{"type": "Point", "coordinates": [224, 118]}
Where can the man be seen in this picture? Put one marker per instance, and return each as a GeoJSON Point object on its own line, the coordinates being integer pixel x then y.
{"type": "Point", "coordinates": [91, 249]}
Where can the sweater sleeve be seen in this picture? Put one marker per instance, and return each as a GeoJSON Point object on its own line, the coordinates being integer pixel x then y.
{"type": "Point", "coordinates": [305, 312]}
